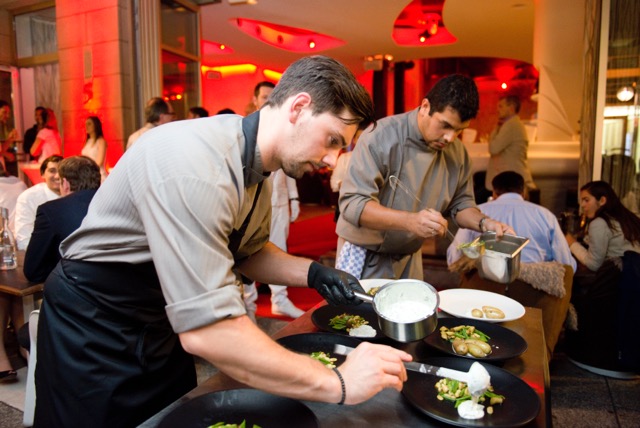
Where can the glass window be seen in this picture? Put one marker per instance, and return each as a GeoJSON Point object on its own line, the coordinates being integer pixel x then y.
{"type": "Point", "coordinates": [179, 27]}
{"type": "Point", "coordinates": [180, 56]}
{"type": "Point", "coordinates": [36, 33]}
{"type": "Point", "coordinates": [621, 139]}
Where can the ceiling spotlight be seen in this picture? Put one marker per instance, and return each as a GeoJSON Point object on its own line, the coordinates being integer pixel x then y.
{"type": "Point", "coordinates": [625, 93]}
{"type": "Point", "coordinates": [312, 44]}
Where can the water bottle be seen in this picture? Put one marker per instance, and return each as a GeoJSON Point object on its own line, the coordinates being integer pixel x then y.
{"type": "Point", "coordinates": [8, 259]}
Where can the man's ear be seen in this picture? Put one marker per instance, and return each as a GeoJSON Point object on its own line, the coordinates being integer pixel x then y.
{"type": "Point", "coordinates": [65, 186]}
{"type": "Point", "coordinates": [298, 103]}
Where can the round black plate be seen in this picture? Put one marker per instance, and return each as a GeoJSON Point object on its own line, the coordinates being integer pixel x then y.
{"type": "Point", "coordinates": [504, 343]}
{"type": "Point", "coordinates": [323, 315]}
{"type": "Point", "coordinates": [237, 405]}
{"type": "Point", "coordinates": [521, 404]}
{"type": "Point", "coordinates": [306, 343]}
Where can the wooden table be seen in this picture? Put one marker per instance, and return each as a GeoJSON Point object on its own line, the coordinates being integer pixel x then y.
{"type": "Point", "coordinates": [388, 408]}
{"type": "Point", "coordinates": [14, 283]}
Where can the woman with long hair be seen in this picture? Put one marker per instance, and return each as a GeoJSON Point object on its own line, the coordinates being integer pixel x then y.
{"type": "Point", "coordinates": [95, 146]}
{"type": "Point", "coordinates": [612, 228]}
{"type": "Point", "coordinates": [48, 141]}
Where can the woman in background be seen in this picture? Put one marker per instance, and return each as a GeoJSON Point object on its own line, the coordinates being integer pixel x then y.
{"type": "Point", "coordinates": [48, 141]}
{"type": "Point", "coordinates": [612, 229]}
{"type": "Point", "coordinates": [96, 146]}
{"type": "Point", "coordinates": [605, 292]}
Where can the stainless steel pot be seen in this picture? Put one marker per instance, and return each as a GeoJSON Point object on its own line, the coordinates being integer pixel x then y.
{"type": "Point", "coordinates": [500, 261]}
{"type": "Point", "coordinates": [406, 309]}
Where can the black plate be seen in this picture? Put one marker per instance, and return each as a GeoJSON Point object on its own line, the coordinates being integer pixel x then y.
{"type": "Point", "coordinates": [236, 405]}
{"type": "Point", "coordinates": [323, 315]}
{"type": "Point", "coordinates": [504, 343]}
{"type": "Point", "coordinates": [306, 343]}
{"type": "Point", "coordinates": [521, 404]}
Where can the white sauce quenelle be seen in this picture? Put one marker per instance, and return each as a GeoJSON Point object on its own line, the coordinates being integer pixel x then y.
{"type": "Point", "coordinates": [470, 409]}
{"type": "Point", "coordinates": [363, 331]}
{"type": "Point", "coordinates": [478, 380]}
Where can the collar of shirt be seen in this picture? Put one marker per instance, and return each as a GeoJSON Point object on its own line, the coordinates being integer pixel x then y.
{"type": "Point", "coordinates": [511, 196]}
{"type": "Point", "coordinates": [253, 169]}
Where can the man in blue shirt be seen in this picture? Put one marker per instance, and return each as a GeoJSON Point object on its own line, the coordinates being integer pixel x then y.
{"type": "Point", "coordinates": [540, 284]}
{"type": "Point", "coordinates": [546, 239]}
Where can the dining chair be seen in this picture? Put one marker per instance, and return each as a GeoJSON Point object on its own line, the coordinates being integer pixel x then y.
{"type": "Point", "coordinates": [30, 393]}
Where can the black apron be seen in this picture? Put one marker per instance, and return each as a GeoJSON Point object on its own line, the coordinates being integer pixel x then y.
{"type": "Point", "coordinates": [107, 355]}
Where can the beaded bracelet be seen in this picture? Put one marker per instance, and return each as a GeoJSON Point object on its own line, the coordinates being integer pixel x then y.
{"type": "Point", "coordinates": [344, 389]}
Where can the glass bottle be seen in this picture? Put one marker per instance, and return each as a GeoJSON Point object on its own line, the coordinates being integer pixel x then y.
{"type": "Point", "coordinates": [8, 259]}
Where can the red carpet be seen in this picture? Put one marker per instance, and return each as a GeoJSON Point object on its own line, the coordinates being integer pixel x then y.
{"type": "Point", "coordinates": [312, 236]}
{"type": "Point", "coordinates": [304, 298]}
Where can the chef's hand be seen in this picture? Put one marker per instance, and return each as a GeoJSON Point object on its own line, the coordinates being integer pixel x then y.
{"type": "Point", "coordinates": [295, 210]}
{"type": "Point", "coordinates": [334, 285]}
{"type": "Point", "coordinates": [497, 227]}
{"type": "Point", "coordinates": [370, 368]}
{"type": "Point", "coordinates": [429, 223]}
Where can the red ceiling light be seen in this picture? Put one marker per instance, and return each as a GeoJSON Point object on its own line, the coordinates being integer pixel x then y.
{"type": "Point", "coordinates": [213, 48]}
{"type": "Point", "coordinates": [288, 38]}
{"type": "Point", "coordinates": [420, 24]}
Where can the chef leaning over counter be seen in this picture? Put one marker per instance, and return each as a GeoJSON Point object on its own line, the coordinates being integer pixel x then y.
{"type": "Point", "coordinates": [153, 273]}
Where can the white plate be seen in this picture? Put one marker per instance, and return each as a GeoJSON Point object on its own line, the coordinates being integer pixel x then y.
{"type": "Point", "coordinates": [368, 284]}
{"type": "Point", "coordinates": [460, 302]}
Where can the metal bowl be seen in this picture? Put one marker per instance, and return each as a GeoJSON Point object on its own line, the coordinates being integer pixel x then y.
{"type": "Point", "coordinates": [393, 302]}
{"type": "Point", "coordinates": [500, 261]}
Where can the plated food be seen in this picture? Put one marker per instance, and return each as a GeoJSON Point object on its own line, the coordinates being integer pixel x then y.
{"type": "Point", "coordinates": [504, 343]}
{"type": "Point", "coordinates": [324, 358]}
{"type": "Point", "coordinates": [319, 345]}
{"type": "Point", "coordinates": [520, 406]}
{"type": "Point", "coordinates": [457, 393]}
{"type": "Point", "coordinates": [461, 302]}
{"type": "Point", "coordinates": [322, 317]}
{"type": "Point", "coordinates": [467, 340]}
{"type": "Point", "coordinates": [490, 312]}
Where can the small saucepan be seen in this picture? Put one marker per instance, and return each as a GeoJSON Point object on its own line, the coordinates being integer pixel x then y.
{"type": "Point", "coordinates": [406, 309]}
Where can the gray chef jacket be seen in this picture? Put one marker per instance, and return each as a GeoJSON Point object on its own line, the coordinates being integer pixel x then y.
{"type": "Point", "coordinates": [441, 179]}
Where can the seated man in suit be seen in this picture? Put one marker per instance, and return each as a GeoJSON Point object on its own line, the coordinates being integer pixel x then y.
{"type": "Point", "coordinates": [55, 220]}
{"type": "Point", "coordinates": [29, 200]}
{"type": "Point", "coordinates": [543, 282]}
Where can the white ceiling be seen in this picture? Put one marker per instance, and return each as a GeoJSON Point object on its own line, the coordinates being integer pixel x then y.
{"type": "Point", "coordinates": [484, 28]}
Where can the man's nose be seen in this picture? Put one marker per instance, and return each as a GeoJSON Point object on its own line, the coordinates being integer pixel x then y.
{"type": "Point", "coordinates": [331, 158]}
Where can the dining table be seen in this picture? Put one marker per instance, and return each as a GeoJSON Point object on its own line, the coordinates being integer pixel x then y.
{"type": "Point", "coordinates": [389, 408]}
{"type": "Point", "coordinates": [13, 283]}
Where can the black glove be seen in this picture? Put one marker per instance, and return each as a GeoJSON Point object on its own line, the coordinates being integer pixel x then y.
{"type": "Point", "coordinates": [334, 285]}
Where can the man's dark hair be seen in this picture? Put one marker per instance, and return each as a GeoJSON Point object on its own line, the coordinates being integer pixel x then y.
{"type": "Point", "coordinates": [458, 92]}
{"type": "Point", "coordinates": [4, 103]}
{"type": "Point", "coordinates": [199, 111]}
{"type": "Point", "coordinates": [154, 108]}
{"type": "Point", "coordinates": [513, 101]}
{"type": "Point", "coordinates": [508, 182]}
{"type": "Point", "coordinates": [45, 163]}
{"type": "Point", "coordinates": [226, 111]}
{"type": "Point", "coordinates": [263, 84]}
{"type": "Point", "coordinates": [333, 88]}
{"type": "Point", "coordinates": [81, 172]}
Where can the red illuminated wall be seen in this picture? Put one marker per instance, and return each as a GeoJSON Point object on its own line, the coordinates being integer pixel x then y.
{"type": "Point", "coordinates": [236, 92]}
{"type": "Point", "coordinates": [95, 60]}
